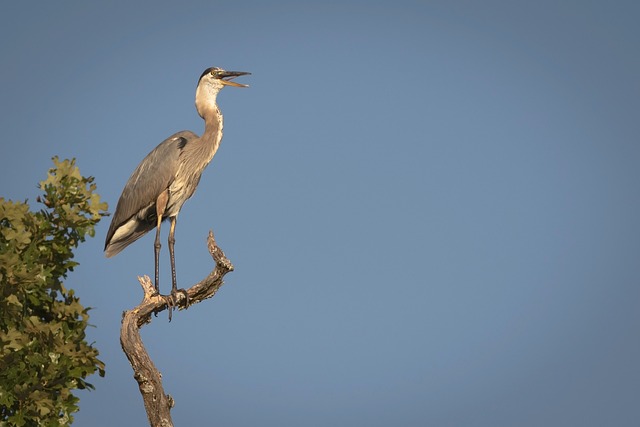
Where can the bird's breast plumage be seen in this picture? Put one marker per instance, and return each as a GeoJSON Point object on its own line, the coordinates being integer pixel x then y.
{"type": "Point", "coordinates": [194, 158]}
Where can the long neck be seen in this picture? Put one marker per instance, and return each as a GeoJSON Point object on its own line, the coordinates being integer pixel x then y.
{"type": "Point", "coordinates": [210, 140]}
{"type": "Point", "coordinates": [206, 95]}
{"type": "Point", "coordinates": [213, 124]}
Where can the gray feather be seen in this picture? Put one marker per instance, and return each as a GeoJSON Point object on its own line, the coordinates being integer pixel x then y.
{"type": "Point", "coordinates": [137, 205]}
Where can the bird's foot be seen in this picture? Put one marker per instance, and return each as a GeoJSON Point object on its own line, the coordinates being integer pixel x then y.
{"type": "Point", "coordinates": [173, 300]}
{"type": "Point", "coordinates": [155, 294]}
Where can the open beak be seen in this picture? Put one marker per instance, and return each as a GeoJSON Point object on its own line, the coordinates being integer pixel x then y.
{"type": "Point", "coordinates": [227, 76]}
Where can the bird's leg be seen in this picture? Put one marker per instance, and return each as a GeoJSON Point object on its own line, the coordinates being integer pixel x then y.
{"type": "Point", "coordinates": [174, 284]}
{"type": "Point", "coordinates": [161, 206]}
{"type": "Point", "coordinates": [172, 242]}
{"type": "Point", "coordinates": [156, 248]}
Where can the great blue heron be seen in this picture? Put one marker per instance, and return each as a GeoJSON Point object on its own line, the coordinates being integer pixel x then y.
{"type": "Point", "coordinates": [169, 175]}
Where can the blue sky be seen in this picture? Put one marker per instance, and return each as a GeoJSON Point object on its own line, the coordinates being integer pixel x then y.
{"type": "Point", "coordinates": [432, 207]}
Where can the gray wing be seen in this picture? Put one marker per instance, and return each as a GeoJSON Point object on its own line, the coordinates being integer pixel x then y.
{"type": "Point", "coordinates": [136, 213]}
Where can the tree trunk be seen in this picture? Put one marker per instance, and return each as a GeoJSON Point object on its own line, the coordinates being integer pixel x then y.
{"type": "Point", "coordinates": [158, 404]}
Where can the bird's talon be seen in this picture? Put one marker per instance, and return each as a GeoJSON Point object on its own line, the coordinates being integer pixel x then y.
{"type": "Point", "coordinates": [170, 300]}
{"type": "Point", "coordinates": [173, 301]}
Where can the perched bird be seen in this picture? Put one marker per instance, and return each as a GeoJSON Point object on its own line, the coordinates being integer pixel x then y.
{"type": "Point", "coordinates": [169, 175]}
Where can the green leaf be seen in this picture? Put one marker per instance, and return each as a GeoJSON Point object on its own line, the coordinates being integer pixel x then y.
{"type": "Point", "coordinates": [44, 356]}
{"type": "Point", "coordinates": [13, 300]}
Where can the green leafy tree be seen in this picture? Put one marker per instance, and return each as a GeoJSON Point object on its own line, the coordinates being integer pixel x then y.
{"type": "Point", "coordinates": [44, 355]}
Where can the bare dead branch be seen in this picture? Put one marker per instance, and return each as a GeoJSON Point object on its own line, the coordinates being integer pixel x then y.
{"type": "Point", "coordinates": [156, 402]}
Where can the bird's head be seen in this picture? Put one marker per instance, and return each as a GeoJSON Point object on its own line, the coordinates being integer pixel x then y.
{"type": "Point", "coordinates": [211, 81]}
{"type": "Point", "coordinates": [218, 77]}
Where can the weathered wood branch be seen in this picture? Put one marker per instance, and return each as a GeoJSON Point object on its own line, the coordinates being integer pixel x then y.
{"type": "Point", "coordinates": [156, 402]}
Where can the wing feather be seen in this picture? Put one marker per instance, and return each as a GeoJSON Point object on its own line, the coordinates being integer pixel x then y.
{"type": "Point", "coordinates": [135, 212]}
